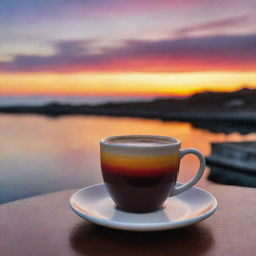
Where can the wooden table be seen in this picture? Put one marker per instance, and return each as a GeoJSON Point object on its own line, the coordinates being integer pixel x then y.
{"type": "Point", "coordinates": [45, 225]}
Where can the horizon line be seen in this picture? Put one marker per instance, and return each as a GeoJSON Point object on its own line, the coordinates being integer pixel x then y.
{"type": "Point", "coordinates": [142, 95]}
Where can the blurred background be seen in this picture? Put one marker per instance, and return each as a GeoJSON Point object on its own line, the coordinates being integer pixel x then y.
{"type": "Point", "coordinates": [74, 71]}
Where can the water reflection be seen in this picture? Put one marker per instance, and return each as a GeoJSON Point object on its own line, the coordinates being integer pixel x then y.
{"type": "Point", "coordinates": [225, 127]}
{"type": "Point", "coordinates": [40, 155]}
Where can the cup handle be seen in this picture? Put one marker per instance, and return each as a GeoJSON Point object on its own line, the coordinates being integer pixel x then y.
{"type": "Point", "coordinates": [194, 180]}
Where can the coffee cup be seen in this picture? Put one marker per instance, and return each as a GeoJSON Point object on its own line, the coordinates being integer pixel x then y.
{"type": "Point", "coordinates": [140, 171]}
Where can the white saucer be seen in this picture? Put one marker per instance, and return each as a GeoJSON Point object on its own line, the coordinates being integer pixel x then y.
{"type": "Point", "coordinates": [94, 204]}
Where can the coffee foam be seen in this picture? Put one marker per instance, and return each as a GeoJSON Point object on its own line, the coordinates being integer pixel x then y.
{"type": "Point", "coordinates": [139, 141]}
{"type": "Point", "coordinates": [140, 145]}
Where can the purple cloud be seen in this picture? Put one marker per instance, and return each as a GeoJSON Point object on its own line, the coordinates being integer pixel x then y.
{"type": "Point", "coordinates": [74, 47]}
{"type": "Point", "coordinates": [187, 54]}
{"type": "Point", "coordinates": [213, 25]}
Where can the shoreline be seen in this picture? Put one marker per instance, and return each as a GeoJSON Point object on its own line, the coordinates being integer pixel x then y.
{"type": "Point", "coordinates": [217, 108]}
{"type": "Point", "coordinates": [56, 110]}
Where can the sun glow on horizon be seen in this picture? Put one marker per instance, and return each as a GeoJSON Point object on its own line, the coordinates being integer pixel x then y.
{"type": "Point", "coordinates": [123, 84]}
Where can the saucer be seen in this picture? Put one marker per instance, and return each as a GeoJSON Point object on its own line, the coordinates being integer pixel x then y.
{"type": "Point", "coordinates": [94, 204]}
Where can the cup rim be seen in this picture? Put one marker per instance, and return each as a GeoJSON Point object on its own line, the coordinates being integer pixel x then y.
{"type": "Point", "coordinates": [173, 141]}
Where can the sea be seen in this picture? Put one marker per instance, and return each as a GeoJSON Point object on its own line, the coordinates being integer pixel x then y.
{"type": "Point", "coordinates": [37, 100]}
{"type": "Point", "coordinates": [42, 154]}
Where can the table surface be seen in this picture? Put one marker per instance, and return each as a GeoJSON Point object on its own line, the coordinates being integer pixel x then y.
{"type": "Point", "coordinates": [45, 225]}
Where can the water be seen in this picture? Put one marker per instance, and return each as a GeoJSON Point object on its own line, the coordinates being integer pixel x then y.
{"type": "Point", "coordinates": [40, 155]}
{"type": "Point", "coordinates": [38, 100]}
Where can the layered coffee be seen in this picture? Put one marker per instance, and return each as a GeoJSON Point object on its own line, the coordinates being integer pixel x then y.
{"type": "Point", "coordinates": [139, 172]}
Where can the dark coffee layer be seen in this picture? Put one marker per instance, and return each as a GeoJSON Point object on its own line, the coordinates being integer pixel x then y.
{"type": "Point", "coordinates": [139, 192]}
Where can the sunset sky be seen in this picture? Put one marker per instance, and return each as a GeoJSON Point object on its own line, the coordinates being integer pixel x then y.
{"type": "Point", "coordinates": [136, 47]}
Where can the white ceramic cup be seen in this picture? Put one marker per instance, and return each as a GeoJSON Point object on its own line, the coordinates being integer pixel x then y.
{"type": "Point", "coordinates": [140, 171]}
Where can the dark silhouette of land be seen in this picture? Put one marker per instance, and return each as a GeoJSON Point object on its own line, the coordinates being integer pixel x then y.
{"type": "Point", "coordinates": [203, 110]}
